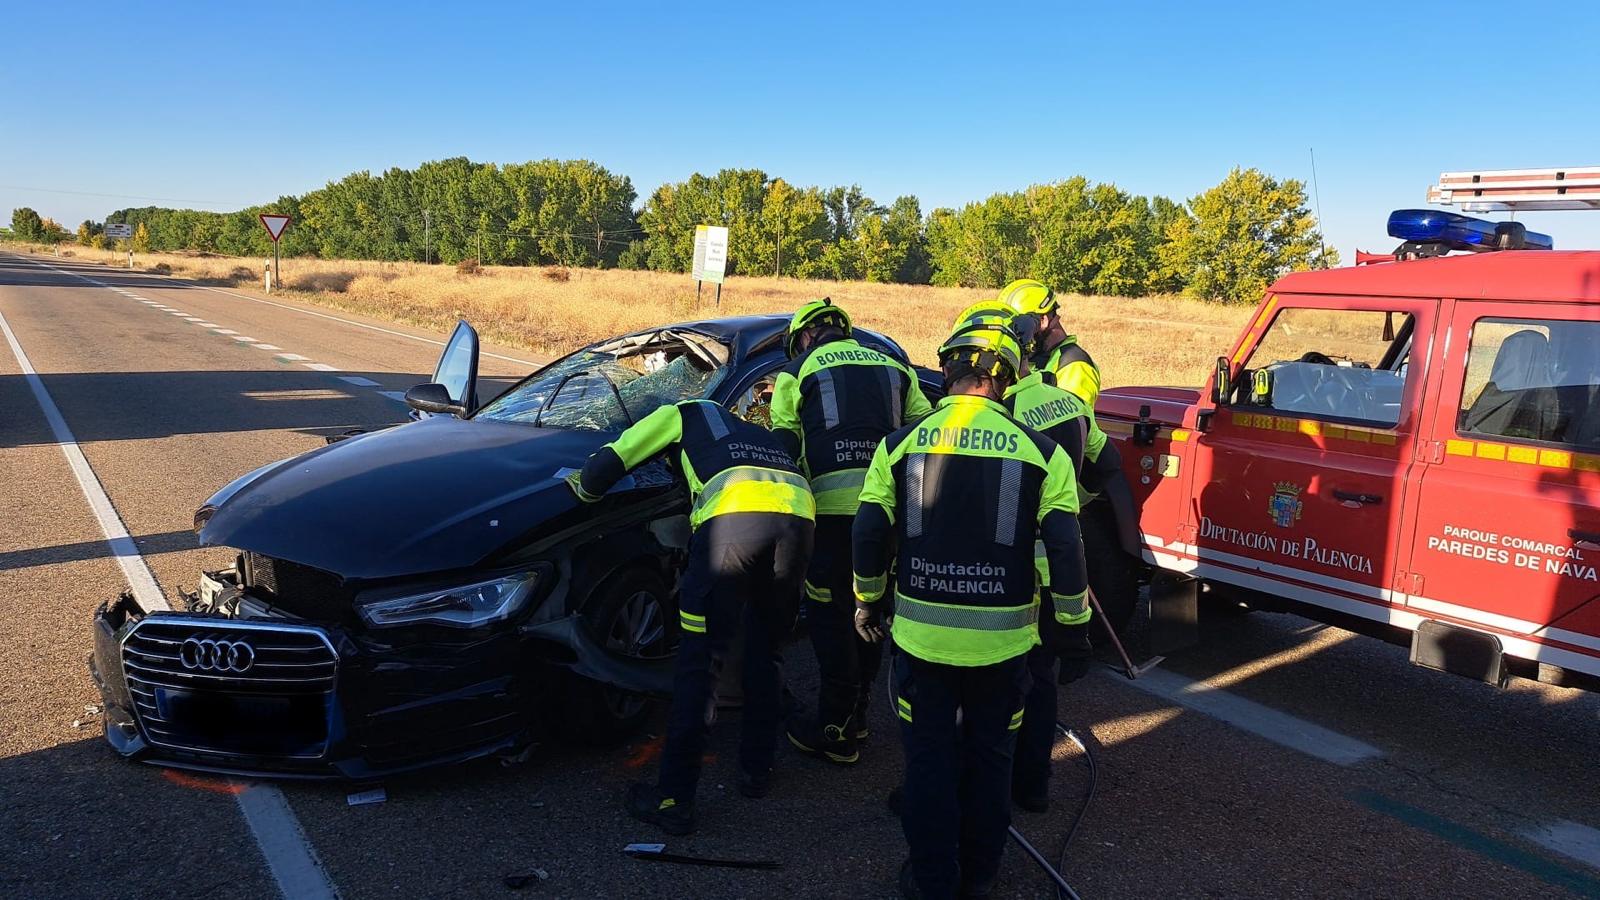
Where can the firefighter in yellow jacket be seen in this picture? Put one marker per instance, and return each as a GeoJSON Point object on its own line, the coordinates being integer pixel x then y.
{"type": "Point", "coordinates": [956, 502]}
{"type": "Point", "coordinates": [831, 405]}
{"type": "Point", "coordinates": [752, 515]}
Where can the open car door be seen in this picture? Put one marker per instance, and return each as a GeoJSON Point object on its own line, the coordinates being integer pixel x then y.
{"type": "Point", "coordinates": [454, 388]}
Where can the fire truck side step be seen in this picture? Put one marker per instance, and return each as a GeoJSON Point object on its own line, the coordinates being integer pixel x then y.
{"type": "Point", "coordinates": [1459, 651]}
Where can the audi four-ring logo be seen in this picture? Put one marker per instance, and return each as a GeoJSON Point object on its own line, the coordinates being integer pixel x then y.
{"type": "Point", "coordinates": [207, 655]}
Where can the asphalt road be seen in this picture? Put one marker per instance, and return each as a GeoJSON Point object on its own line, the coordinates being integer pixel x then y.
{"type": "Point", "coordinates": [1279, 759]}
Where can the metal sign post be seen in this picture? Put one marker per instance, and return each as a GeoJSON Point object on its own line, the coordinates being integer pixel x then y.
{"type": "Point", "coordinates": [274, 226]}
{"type": "Point", "coordinates": [710, 258]}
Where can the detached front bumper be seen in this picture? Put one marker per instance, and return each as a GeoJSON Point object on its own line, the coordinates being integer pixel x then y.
{"type": "Point", "coordinates": [287, 699]}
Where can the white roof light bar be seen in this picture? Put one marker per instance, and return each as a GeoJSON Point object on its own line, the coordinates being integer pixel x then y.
{"type": "Point", "coordinates": [1514, 190]}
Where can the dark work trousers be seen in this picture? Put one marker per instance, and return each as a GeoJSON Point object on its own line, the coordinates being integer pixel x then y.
{"type": "Point", "coordinates": [745, 570]}
{"type": "Point", "coordinates": [846, 663]}
{"type": "Point", "coordinates": [1036, 739]}
{"type": "Point", "coordinates": [958, 775]}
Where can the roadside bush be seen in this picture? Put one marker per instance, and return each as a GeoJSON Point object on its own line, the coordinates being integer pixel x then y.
{"type": "Point", "coordinates": [326, 282]}
{"type": "Point", "coordinates": [635, 256]}
{"type": "Point", "coordinates": [558, 275]}
{"type": "Point", "coordinates": [468, 266]}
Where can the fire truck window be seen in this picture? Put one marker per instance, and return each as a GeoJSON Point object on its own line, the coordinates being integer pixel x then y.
{"type": "Point", "coordinates": [1336, 364]}
{"type": "Point", "coordinates": [1534, 380]}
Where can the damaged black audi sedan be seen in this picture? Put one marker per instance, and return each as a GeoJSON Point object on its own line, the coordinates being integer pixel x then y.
{"type": "Point", "coordinates": [432, 592]}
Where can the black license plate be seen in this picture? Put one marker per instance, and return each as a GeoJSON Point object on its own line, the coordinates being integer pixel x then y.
{"type": "Point", "coordinates": [268, 725]}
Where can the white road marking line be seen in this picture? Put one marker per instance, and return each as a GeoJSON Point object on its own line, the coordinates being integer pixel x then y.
{"type": "Point", "coordinates": [245, 340]}
{"type": "Point", "coordinates": [266, 346]}
{"type": "Point", "coordinates": [178, 312]}
{"type": "Point", "coordinates": [290, 357]}
{"type": "Point", "coordinates": [294, 864]}
{"type": "Point", "coordinates": [145, 302]}
{"type": "Point", "coordinates": [307, 312]}
{"type": "Point", "coordinates": [289, 855]}
{"type": "Point", "coordinates": [321, 367]}
{"type": "Point", "coordinates": [358, 381]}
{"type": "Point", "coordinates": [116, 534]}
{"type": "Point", "coordinates": [208, 325]}
{"type": "Point", "coordinates": [1570, 839]}
{"type": "Point", "coordinates": [1278, 727]}
{"type": "Point", "coordinates": [396, 396]}
{"type": "Point", "coordinates": [224, 331]}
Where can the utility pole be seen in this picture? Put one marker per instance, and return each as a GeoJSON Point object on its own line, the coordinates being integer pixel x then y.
{"type": "Point", "coordinates": [777, 268]}
{"type": "Point", "coordinates": [427, 233]}
{"type": "Point", "coordinates": [1316, 192]}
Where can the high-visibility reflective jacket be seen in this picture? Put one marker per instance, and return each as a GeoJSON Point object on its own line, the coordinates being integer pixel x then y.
{"type": "Point", "coordinates": [962, 495]}
{"type": "Point", "coordinates": [731, 465]}
{"type": "Point", "coordinates": [832, 406]}
{"type": "Point", "coordinates": [1060, 415]}
{"type": "Point", "coordinates": [1073, 368]}
{"type": "Point", "coordinates": [1039, 403]}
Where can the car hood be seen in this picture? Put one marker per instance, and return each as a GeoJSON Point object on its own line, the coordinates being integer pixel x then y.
{"type": "Point", "coordinates": [431, 496]}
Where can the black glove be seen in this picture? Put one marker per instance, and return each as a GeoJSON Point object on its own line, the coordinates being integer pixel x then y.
{"type": "Point", "coordinates": [1071, 646]}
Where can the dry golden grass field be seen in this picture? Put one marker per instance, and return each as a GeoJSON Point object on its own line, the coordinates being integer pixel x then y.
{"type": "Point", "coordinates": [1150, 340]}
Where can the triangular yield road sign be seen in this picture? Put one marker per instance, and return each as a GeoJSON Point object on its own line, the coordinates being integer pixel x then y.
{"type": "Point", "coordinates": [274, 225]}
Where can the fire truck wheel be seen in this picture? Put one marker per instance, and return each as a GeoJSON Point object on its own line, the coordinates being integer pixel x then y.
{"type": "Point", "coordinates": [1113, 574]}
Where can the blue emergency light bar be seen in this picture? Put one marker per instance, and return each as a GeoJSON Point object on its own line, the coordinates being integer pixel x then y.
{"type": "Point", "coordinates": [1458, 232]}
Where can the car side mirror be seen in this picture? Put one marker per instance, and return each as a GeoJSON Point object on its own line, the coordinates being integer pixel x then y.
{"type": "Point", "coordinates": [434, 398]}
{"type": "Point", "coordinates": [1221, 390]}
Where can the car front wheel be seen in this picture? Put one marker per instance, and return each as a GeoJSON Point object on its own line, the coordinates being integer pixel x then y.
{"type": "Point", "coordinates": [630, 616]}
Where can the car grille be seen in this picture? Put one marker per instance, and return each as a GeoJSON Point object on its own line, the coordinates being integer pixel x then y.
{"type": "Point", "coordinates": [220, 686]}
{"type": "Point", "coordinates": [297, 589]}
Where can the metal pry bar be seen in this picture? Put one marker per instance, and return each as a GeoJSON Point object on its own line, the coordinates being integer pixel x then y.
{"type": "Point", "coordinates": [1129, 669]}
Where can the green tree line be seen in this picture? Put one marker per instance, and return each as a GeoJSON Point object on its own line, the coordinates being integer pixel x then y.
{"type": "Point", "coordinates": [1226, 243]}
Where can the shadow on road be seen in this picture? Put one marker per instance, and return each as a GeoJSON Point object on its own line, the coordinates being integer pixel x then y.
{"type": "Point", "coordinates": [121, 406]}
{"type": "Point", "coordinates": [149, 545]}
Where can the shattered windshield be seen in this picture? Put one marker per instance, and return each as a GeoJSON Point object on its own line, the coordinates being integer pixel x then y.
{"type": "Point", "coordinates": [610, 385]}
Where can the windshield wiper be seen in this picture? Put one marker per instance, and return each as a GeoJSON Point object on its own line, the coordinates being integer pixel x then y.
{"type": "Point", "coordinates": [539, 416]}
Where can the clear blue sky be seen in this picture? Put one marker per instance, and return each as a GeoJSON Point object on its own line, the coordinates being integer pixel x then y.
{"type": "Point", "coordinates": [235, 104]}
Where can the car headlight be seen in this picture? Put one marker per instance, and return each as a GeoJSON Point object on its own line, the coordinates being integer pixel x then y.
{"type": "Point", "coordinates": [466, 606]}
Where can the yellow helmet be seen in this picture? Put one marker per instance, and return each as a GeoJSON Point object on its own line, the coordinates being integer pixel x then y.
{"type": "Point", "coordinates": [988, 347]}
{"type": "Point", "coordinates": [1023, 326]}
{"type": "Point", "coordinates": [816, 312]}
{"type": "Point", "coordinates": [1028, 296]}
{"type": "Point", "coordinates": [983, 310]}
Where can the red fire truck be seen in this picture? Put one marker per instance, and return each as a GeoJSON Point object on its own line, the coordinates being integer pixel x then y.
{"type": "Point", "coordinates": [1409, 448]}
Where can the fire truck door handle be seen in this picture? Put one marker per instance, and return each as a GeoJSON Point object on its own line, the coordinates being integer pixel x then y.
{"type": "Point", "coordinates": [1355, 499]}
{"type": "Point", "coordinates": [1586, 537]}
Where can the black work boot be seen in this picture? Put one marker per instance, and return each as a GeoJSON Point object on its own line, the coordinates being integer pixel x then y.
{"type": "Point", "coordinates": [908, 882]}
{"type": "Point", "coordinates": [858, 721]}
{"type": "Point", "coordinates": [647, 804]}
{"type": "Point", "coordinates": [827, 742]}
{"type": "Point", "coordinates": [1031, 802]}
{"type": "Point", "coordinates": [755, 786]}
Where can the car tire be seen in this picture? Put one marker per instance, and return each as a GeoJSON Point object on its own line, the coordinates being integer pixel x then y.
{"type": "Point", "coordinates": [632, 613]}
{"type": "Point", "coordinates": [1113, 574]}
